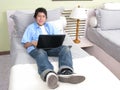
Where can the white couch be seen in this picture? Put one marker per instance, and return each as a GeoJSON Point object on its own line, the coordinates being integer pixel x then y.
{"type": "Point", "coordinates": [24, 76]}
{"type": "Point", "coordinates": [103, 29]}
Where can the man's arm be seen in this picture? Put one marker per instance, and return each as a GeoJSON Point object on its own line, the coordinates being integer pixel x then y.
{"type": "Point", "coordinates": [33, 43]}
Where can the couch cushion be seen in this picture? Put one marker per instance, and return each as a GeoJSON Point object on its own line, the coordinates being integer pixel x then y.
{"type": "Point", "coordinates": [110, 19]}
{"type": "Point", "coordinates": [59, 24]}
{"type": "Point", "coordinates": [93, 22]}
{"type": "Point", "coordinates": [22, 20]}
{"type": "Point", "coordinates": [98, 17]}
{"type": "Point", "coordinates": [112, 6]}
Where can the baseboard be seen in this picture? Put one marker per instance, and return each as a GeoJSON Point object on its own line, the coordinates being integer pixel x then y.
{"type": "Point", "coordinates": [4, 52]}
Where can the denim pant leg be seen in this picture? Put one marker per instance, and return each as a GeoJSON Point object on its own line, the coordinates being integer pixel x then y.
{"type": "Point", "coordinates": [41, 57]}
{"type": "Point", "coordinates": [65, 57]}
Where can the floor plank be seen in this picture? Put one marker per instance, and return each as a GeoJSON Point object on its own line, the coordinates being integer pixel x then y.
{"type": "Point", "coordinates": [4, 71]}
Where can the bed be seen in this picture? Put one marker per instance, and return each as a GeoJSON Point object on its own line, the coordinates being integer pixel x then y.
{"type": "Point", "coordinates": [24, 75]}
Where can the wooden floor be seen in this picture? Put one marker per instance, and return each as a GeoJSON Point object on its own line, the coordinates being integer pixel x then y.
{"type": "Point", "coordinates": [4, 71]}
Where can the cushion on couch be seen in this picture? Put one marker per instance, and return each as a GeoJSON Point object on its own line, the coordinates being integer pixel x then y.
{"type": "Point", "coordinates": [108, 19]}
{"type": "Point", "coordinates": [93, 22]}
{"type": "Point", "coordinates": [59, 24]}
{"type": "Point", "coordinates": [24, 18]}
{"type": "Point", "coordinates": [98, 17]}
{"type": "Point", "coordinates": [111, 6]}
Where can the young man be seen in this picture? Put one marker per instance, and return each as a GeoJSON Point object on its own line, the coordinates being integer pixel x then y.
{"type": "Point", "coordinates": [45, 68]}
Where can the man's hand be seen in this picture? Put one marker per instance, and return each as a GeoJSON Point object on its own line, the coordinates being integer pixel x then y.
{"type": "Point", "coordinates": [33, 43]}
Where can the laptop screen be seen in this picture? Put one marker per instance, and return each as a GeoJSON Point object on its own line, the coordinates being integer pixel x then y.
{"type": "Point", "coordinates": [50, 41]}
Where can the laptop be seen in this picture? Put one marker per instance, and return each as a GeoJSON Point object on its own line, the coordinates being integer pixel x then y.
{"type": "Point", "coordinates": [50, 41]}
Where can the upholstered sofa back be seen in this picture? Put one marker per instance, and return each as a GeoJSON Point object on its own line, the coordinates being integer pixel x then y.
{"type": "Point", "coordinates": [18, 20]}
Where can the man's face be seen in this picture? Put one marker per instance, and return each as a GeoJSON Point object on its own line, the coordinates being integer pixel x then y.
{"type": "Point", "coordinates": [41, 18]}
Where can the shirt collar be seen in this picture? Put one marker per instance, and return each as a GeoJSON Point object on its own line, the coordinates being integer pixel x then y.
{"type": "Point", "coordinates": [37, 26]}
{"type": "Point", "coordinates": [46, 26]}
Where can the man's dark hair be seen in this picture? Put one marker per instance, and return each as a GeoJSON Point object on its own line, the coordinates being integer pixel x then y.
{"type": "Point", "coordinates": [43, 10]}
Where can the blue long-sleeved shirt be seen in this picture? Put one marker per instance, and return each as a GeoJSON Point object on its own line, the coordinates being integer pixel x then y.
{"type": "Point", "coordinates": [33, 31]}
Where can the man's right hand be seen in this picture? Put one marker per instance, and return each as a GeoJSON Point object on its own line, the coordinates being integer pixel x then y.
{"type": "Point", "coordinates": [33, 43]}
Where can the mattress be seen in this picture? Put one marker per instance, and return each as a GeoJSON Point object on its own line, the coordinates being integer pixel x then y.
{"type": "Point", "coordinates": [108, 40]}
{"type": "Point", "coordinates": [98, 77]}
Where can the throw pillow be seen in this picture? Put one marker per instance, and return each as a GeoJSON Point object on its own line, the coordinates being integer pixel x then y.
{"type": "Point", "coordinates": [110, 19]}
{"type": "Point", "coordinates": [98, 17]}
{"type": "Point", "coordinates": [111, 6]}
{"type": "Point", "coordinates": [22, 20]}
{"type": "Point", "coordinates": [59, 24]}
{"type": "Point", "coordinates": [93, 22]}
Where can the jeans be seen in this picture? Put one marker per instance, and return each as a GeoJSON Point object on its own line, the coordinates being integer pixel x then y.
{"type": "Point", "coordinates": [45, 66]}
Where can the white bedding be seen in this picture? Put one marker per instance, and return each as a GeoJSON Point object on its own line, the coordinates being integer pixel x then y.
{"type": "Point", "coordinates": [98, 77]}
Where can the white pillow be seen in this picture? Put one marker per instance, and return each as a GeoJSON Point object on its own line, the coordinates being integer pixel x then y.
{"type": "Point", "coordinates": [98, 17]}
{"type": "Point", "coordinates": [112, 6]}
{"type": "Point", "coordinates": [59, 24]}
{"type": "Point", "coordinates": [93, 21]}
